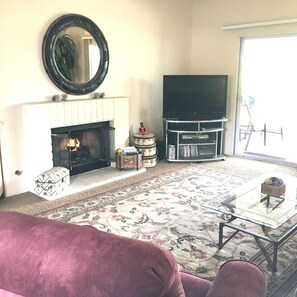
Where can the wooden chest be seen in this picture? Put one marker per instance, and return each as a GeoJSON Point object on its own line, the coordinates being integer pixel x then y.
{"type": "Point", "coordinates": [129, 161]}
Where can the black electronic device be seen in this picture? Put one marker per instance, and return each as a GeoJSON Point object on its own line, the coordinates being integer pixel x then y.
{"type": "Point", "coordinates": [195, 97]}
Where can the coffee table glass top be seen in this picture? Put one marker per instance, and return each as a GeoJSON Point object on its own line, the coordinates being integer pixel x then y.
{"type": "Point", "coordinates": [248, 203]}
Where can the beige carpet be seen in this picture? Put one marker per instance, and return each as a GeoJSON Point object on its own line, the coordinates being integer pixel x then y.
{"type": "Point", "coordinates": [16, 202]}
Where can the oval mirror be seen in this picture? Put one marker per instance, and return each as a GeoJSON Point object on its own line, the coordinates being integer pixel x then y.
{"type": "Point", "coordinates": [75, 54]}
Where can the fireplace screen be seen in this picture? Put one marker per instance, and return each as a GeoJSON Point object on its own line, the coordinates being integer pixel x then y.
{"type": "Point", "coordinates": [83, 148]}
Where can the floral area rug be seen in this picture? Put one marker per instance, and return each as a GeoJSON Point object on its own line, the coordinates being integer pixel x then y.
{"type": "Point", "coordinates": [167, 210]}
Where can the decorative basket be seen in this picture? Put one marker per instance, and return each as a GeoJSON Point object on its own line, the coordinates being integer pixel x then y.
{"type": "Point", "coordinates": [273, 190]}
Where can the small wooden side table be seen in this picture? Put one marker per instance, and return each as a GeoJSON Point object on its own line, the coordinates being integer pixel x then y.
{"type": "Point", "coordinates": [129, 161]}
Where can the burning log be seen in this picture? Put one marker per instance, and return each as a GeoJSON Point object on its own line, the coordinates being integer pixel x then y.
{"type": "Point", "coordinates": [73, 144]}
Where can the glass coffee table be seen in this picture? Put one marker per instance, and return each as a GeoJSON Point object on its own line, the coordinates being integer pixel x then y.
{"type": "Point", "coordinates": [276, 215]}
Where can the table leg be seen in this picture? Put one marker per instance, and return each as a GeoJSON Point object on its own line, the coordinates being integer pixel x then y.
{"type": "Point", "coordinates": [221, 233]}
{"type": "Point", "coordinates": [272, 263]}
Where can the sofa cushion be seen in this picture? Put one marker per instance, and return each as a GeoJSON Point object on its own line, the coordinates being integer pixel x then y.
{"type": "Point", "coordinates": [195, 286]}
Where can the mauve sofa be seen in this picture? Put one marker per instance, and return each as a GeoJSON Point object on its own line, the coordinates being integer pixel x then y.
{"type": "Point", "coordinates": [41, 257]}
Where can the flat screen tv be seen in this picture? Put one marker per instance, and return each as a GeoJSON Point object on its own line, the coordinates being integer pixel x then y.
{"type": "Point", "coordinates": [194, 97]}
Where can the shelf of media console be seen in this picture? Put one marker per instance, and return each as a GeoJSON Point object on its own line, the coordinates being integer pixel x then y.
{"type": "Point", "coordinates": [196, 132]}
{"type": "Point", "coordinates": [203, 143]}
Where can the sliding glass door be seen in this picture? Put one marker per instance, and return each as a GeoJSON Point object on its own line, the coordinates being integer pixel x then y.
{"type": "Point", "coordinates": [267, 98]}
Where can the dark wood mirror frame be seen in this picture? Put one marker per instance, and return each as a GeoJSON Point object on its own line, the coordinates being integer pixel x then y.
{"type": "Point", "coordinates": [50, 64]}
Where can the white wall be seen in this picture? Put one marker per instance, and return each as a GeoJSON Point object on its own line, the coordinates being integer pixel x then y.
{"type": "Point", "coordinates": [146, 38]}
{"type": "Point", "coordinates": [215, 51]}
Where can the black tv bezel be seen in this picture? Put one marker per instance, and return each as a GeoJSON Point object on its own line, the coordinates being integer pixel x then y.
{"type": "Point", "coordinates": [202, 114]}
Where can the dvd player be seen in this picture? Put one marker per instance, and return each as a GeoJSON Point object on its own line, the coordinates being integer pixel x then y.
{"type": "Point", "coordinates": [195, 136]}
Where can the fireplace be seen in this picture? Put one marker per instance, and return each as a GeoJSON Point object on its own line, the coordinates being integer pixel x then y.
{"type": "Point", "coordinates": [34, 122]}
{"type": "Point", "coordinates": [82, 148]}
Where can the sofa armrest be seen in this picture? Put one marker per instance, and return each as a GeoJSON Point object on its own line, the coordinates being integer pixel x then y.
{"type": "Point", "coordinates": [239, 278]}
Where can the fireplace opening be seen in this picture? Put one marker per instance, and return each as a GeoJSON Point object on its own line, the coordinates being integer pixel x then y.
{"type": "Point", "coordinates": [83, 148]}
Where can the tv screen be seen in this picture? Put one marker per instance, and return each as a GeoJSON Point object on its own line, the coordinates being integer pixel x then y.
{"type": "Point", "coordinates": [194, 97]}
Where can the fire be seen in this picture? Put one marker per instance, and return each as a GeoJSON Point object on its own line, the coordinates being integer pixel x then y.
{"type": "Point", "coordinates": [73, 144]}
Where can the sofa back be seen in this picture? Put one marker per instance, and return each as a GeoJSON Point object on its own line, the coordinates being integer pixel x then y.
{"type": "Point", "coordinates": [41, 257]}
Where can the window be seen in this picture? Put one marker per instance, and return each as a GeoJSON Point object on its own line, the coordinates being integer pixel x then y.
{"type": "Point", "coordinates": [268, 87]}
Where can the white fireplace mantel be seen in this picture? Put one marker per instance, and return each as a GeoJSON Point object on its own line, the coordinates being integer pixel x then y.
{"type": "Point", "coordinates": [39, 118]}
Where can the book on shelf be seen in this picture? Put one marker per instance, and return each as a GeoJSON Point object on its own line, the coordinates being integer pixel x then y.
{"type": "Point", "coordinates": [189, 151]}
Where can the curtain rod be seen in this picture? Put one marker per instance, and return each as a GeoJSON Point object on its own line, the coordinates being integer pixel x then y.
{"type": "Point", "coordinates": [259, 24]}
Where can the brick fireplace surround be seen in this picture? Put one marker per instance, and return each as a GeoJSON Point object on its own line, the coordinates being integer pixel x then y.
{"type": "Point", "coordinates": [39, 118]}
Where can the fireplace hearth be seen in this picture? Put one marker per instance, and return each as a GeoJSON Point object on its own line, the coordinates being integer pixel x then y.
{"type": "Point", "coordinates": [82, 148]}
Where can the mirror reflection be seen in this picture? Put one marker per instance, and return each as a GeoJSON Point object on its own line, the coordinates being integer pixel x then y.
{"type": "Point", "coordinates": [76, 55]}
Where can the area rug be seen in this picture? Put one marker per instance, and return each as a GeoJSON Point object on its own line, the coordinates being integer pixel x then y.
{"type": "Point", "coordinates": [167, 210]}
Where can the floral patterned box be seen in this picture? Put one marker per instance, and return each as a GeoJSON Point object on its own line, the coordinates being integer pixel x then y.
{"type": "Point", "coordinates": [52, 182]}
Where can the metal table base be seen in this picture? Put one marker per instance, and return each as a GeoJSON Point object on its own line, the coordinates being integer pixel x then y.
{"type": "Point", "coordinates": [276, 242]}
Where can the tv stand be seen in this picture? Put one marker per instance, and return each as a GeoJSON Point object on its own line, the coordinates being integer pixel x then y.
{"type": "Point", "coordinates": [193, 140]}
